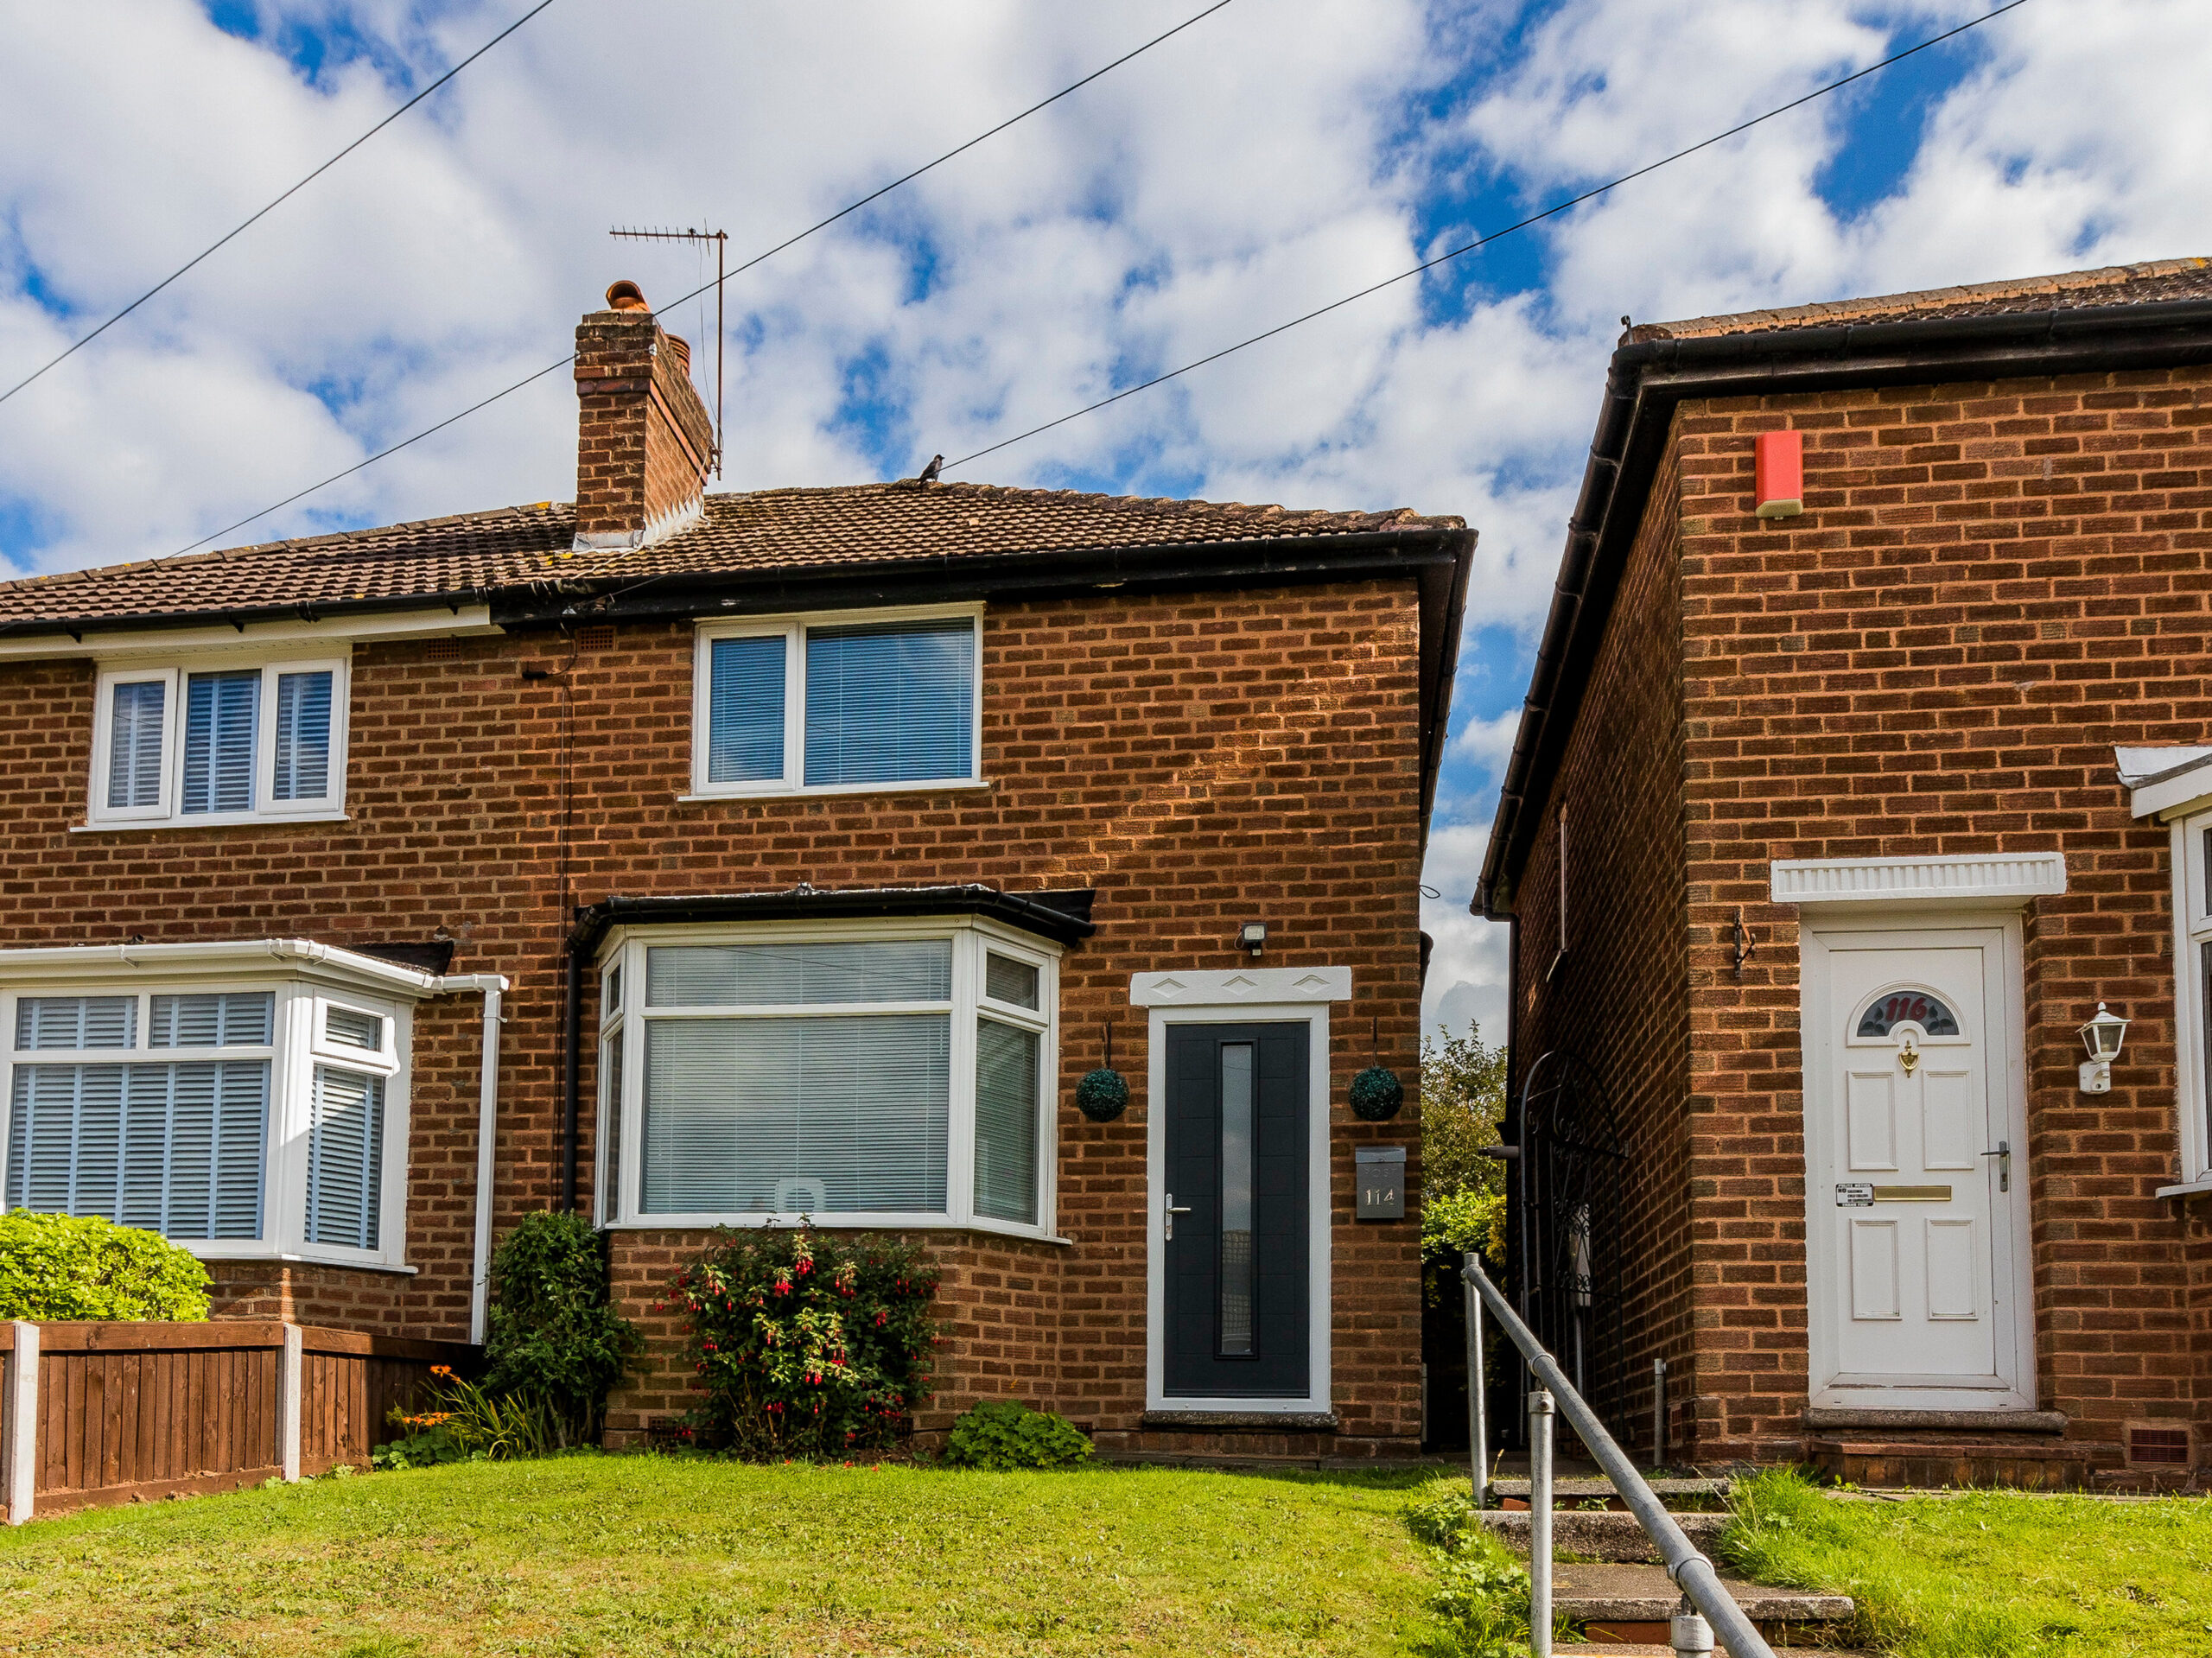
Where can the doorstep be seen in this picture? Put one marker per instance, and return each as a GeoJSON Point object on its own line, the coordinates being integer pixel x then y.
{"type": "Point", "coordinates": [1931, 1460]}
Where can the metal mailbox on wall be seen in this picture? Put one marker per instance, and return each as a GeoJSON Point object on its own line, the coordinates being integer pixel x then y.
{"type": "Point", "coordinates": [1382, 1171]}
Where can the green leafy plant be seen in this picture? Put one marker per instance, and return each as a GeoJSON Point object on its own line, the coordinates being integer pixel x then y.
{"type": "Point", "coordinates": [1481, 1596]}
{"type": "Point", "coordinates": [467, 1423]}
{"type": "Point", "coordinates": [63, 1267]}
{"type": "Point", "coordinates": [1005, 1434]}
{"type": "Point", "coordinates": [805, 1344]}
{"type": "Point", "coordinates": [553, 1345]}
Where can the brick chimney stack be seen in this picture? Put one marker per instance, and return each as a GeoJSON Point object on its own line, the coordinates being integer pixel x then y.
{"type": "Point", "coordinates": [645, 442]}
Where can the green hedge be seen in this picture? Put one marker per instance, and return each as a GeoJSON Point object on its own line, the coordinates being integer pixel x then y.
{"type": "Point", "coordinates": [64, 1266]}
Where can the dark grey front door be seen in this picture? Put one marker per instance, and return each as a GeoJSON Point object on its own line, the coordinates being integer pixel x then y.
{"type": "Point", "coordinates": [1236, 1191]}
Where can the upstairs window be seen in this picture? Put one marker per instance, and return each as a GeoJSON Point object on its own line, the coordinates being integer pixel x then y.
{"type": "Point", "coordinates": [180, 744]}
{"type": "Point", "coordinates": [844, 703]}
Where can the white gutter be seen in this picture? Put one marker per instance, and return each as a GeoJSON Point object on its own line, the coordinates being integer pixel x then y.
{"type": "Point", "coordinates": [487, 1119]}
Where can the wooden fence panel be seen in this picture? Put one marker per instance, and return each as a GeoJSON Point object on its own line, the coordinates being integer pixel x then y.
{"type": "Point", "coordinates": [137, 1411]}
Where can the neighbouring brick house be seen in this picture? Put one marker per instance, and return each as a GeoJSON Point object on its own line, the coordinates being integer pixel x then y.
{"type": "Point", "coordinates": [698, 859]}
{"type": "Point", "coordinates": [1824, 833]}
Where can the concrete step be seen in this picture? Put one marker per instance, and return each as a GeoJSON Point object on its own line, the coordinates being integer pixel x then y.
{"type": "Point", "coordinates": [1675, 1492]}
{"type": "Point", "coordinates": [1622, 1603]}
{"type": "Point", "coordinates": [1605, 1534]}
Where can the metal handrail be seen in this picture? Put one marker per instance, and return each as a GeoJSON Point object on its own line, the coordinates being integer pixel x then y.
{"type": "Point", "coordinates": [1707, 1609]}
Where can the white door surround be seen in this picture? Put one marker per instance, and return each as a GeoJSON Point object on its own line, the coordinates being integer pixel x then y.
{"type": "Point", "coordinates": [1240, 995]}
{"type": "Point", "coordinates": [1918, 1283]}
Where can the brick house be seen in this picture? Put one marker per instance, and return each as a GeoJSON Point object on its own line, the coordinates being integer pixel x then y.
{"type": "Point", "coordinates": [1824, 833]}
{"type": "Point", "coordinates": [693, 860]}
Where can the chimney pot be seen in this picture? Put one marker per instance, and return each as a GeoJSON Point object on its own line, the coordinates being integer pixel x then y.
{"type": "Point", "coordinates": [627, 295]}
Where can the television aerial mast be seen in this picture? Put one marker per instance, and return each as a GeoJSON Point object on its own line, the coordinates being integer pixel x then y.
{"type": "Point", "coordinates": [721, 239]}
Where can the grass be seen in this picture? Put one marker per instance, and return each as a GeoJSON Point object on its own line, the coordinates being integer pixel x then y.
{"type": "Point", "coordinates": [621, 1555]}
{"type": "Point", "coordinates": [1989, 1574]}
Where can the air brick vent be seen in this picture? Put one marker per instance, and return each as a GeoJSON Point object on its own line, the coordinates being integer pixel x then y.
{"type": "Point", "coordinates": [2159, 1444]}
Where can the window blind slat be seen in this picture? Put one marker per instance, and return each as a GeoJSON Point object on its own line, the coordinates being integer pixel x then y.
{"type": "Point", "coordinates": [134, 754]}
{"type": "Point", "coordinates": [855, 1107]}
{"type": "Point", "coordinates": [745, 711]}
{"type": "Point", "coordinates": [221, 714]}
{"type": "Point", "coordinates": [890, 702]}
{"type": "Point", "coordinates": [1006, 1122]}
{"type": "Point", "coordinates": [302, 734]}
{"type": "Point", "coordinates": [735, 975]}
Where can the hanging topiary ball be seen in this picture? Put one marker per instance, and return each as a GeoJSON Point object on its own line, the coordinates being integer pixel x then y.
{"type": "Point", "coordinates": [1377, 1094]}
{"type": "Point", "coordinates": [1102, 1095]}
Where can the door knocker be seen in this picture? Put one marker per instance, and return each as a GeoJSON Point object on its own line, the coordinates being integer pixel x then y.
{"type": "Point", "coordinates": [1910, 1057]}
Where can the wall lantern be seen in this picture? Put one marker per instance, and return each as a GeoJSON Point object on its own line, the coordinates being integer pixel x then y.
{"type": "Point", "coordinates": [1778, 475]}
{"type": "Point", "coordinates": [2101, 1036]}
{"type": "Point", "coordinates": [1252, 936]}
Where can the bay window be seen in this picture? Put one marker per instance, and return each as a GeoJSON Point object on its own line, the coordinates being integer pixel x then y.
{"type": "Point", "coordinates": [265, 1116]}
{"type": "Point", "coordinates": [218, 742]}
{"type": "Point", "coordinates": [868, 1072]}
{"type": "Point", "coordinates": [863, 700]}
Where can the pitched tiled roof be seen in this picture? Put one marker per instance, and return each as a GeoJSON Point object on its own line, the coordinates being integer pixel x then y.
{"type": "Point", "coordinates": [775, 529]}
{"type": "Point", "coordinates": [2137, 285]}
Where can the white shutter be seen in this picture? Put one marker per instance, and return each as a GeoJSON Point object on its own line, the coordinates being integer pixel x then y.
{"type": "Point", "coordinates": [76, 1022]}
{"type": "Point", "coordinates": [345, 1159]}
{"type": "Point", "coordinates": [236, 1020]}
{"type": "Point", "coordinates": [221, 717]}
{"type": "Point", "coordinates": [860, 1105]}
{"type": "Point", "coordinates": [1006, 1122]}
{"type": "Point", "coordinates": [134, 753]}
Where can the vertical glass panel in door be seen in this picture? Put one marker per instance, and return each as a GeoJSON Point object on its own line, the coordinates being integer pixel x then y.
{"type": "Point", "coordinates": [1237, 1200]}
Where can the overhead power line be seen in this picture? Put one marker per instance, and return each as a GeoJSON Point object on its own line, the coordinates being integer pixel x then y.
{"type": "Point", "coordinates": [769, 253]}
{"type": "Point", "coordinates": [1485, 241]}
{"type": "Point", "coordinates": [248, 222]}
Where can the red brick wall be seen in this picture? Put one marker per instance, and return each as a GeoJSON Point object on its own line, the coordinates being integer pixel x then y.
{"type": "Point", "coordinates": [1200, 760]}
{"type": "Point", "coordinates": [1992, 586]}
{"type": "Point", "coordinates": [1616, 998]}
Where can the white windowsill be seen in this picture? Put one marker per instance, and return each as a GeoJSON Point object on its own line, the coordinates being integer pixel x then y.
{"type": "Point", "coordinates": [2186, 1189]}
{"type": "Point", "coordinates": [931, 787]}
{"type": "Point", "coordinates": [758, 1222]}
{"type": "Point", "coordinates": [209, 820]}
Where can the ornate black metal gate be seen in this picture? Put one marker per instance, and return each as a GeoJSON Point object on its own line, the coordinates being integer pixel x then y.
{"type": "Point", "coordinates": [1569, 1184]}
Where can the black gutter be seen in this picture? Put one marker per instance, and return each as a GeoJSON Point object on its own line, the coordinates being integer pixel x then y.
{"type": "Point", "coordinates": [1648, 378]}
{"type": "Point", "coordinates": [1062, 915]}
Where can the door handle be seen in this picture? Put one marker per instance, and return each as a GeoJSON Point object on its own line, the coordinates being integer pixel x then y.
{"type": "Point", "coordinates": [2003, 1156]}
{"type": "Point", "coordinates": [1169, 1211]}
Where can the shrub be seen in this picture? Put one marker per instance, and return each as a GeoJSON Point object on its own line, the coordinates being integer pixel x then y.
{"type": "Point", "coordinates": [804, 1345]}
{"type": "Point", "coordinates": [62, 1266]}
{"type": "Point", "coordinates": [1482, 1591]}
{"type": "Point", "coordinates": [1007, 1435]}
{"type": "Point", "coordinates": [553, 1346]}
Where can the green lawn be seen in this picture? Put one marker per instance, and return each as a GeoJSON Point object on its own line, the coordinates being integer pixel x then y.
{"type": "Point", "coordinates": [593, 1555]}
{"type": "Point", "coordinates": [1990, 1574]}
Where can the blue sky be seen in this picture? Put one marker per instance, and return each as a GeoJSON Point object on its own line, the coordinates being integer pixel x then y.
{"type": "Point", "coordinates": [1275, 155]}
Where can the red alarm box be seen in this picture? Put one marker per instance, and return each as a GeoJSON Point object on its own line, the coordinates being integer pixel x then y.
{"type": "Point", "coordinates": [1778, 485]}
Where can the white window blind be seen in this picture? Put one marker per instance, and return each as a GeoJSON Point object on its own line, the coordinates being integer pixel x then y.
{"type": "Point", "coordinates": [1010, 981]}
{"type": "Point", "coordinates": [723, 976]}
{"type": "Point", "coordinates": [350, 1028]}
{"type": "Point", "coordinates": [610, 1086]}
{"type": "Point", "coordinates": [852, 1110]}
{"type": "Point", "coordinates": [890, 702]}
{"type": "Point", "coordinates": [302, 758]}
{"type": "Point", "coordinates": [745, 735]}
{"type": "Point", "coordinates": [175, 1148]}
{"type": "Point", "coordinates": [200, 1020]}
{"type": "Point", "coordinates": [134, 753]}
{"type": "Point", "coordinates": [1006, 1122]}
{"type": "Point", "coordinates": [345, 1159]}
{"type": "Point", "coordinates": [221, 712]}
{"type": "Point", "coordinates": [76, 1022]}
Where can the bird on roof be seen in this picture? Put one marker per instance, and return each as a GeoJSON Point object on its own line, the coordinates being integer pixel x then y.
{"type": "Point", "coordinates": [930, 472]}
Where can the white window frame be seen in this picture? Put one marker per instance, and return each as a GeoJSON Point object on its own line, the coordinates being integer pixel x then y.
{"type": "Point", "coordinates": [175, 673]}
{"type": "Point", "coordinates": [792, 630]}
{"type": "Point", "coordinates": [2192, 901]}
{"type": "Point", "coordinates": [299, 1045]}
{"type": "Point", "coordinates": [971, 938]}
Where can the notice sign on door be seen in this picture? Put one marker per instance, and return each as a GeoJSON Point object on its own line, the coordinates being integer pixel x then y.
{"type": "Point", "coordinates": [1855, 1194]}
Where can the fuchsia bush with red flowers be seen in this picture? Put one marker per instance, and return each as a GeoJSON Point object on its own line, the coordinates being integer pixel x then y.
{"type": "Point", "coordinates": [806, 1345]}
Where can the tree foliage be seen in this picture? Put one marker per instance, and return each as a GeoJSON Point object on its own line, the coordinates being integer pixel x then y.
{"type": "Point", "coordinates": [1462, 1105]}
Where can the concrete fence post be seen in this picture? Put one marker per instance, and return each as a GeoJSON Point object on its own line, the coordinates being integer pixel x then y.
{"type": "Point", "coordinates": [289, 1381]}
{"type": "Point", "coordinates": [19, 1445]}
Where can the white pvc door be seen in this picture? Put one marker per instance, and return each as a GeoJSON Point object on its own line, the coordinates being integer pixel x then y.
{"type": "Point", "coordinates": [1911, 1204]}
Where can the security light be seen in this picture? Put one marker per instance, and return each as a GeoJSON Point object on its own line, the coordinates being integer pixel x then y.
{"type": "Point", "coordinates": [1252, 936]}
{"type": "Point", "coordinates": [2101, 1036]}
